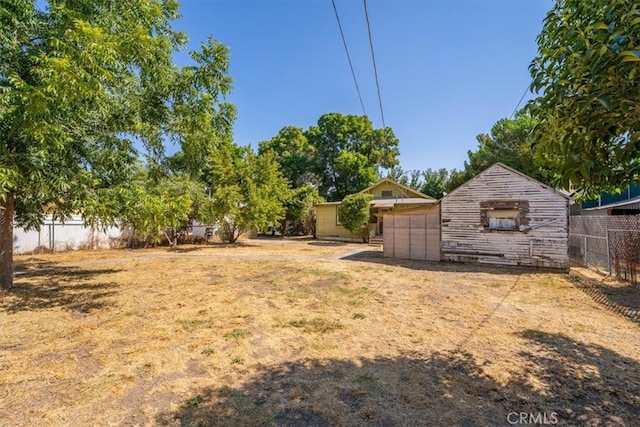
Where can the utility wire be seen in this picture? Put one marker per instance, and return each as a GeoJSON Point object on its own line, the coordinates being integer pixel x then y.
{"type": "Point", "coordinates": [344, 42]}
{"type": "Point", "coordinates": [515, 110]}
{"type": "Point", "coordinates": [373, 58]}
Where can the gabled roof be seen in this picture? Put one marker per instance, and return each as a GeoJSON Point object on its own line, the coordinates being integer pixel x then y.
{"type": "Point", "coordinates": [404, 187]}
{"type": "Point", "coordinates": [560, 193]}
{"type": "Point", "coordinates": [414, 197]}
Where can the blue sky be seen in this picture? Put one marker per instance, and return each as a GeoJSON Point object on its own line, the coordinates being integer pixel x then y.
{"type": "Point", "coordinates": [448, 69]}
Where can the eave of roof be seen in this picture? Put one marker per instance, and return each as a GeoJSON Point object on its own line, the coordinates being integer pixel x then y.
{"type": "Point", "coordinates": [399, 201]}
{"type": "Point", "coordinates": [633, 201]}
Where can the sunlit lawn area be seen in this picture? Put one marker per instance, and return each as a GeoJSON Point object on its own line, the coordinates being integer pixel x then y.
{"type": "Point", "coordinates": [273, 332]}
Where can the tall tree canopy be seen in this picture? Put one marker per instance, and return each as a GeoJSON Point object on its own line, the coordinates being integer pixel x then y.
{"type": "Point", "coordinates": [80, 82]}
{"type": "Point", "coordinates": [588, 77]}
{"type": "Point", "coordinates": [510, 141]}
{"type": "Point", "coordinates": [348, 153]}
{"type": "Point", "coordinates": [431, 182]}
{"type": "Point", "coordinates": [294, 154]}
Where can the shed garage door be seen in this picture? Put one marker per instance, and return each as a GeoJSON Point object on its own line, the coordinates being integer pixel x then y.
{"type": "Point", "coordinates": [413, 234]}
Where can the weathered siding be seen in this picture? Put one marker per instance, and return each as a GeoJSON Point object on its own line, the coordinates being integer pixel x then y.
{"type": "Point", "coordinates": [413, 234]}
{"type": "Point", "coordinates": [465, 238]}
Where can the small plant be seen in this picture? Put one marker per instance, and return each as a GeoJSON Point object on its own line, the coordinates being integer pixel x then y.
{"type": "Point", "coordinates": [191, 324]}
{"type": "Point", "coordinates": [367, 382]}
{"type": "Point", "coordinates": [208, 351]}
{"type": "Point", "coordinates": [195, 401]}
{"type": "Point", "coordinates": [357, 316]}
{"type": "Point", "coordinates": [496, 285]}
{"type": "Point", "coordinates": [316, 325]}
{"type": "Point", "coordinates": [237, 334]}
{"type": "Point", "coordinates": [417, 340]}
{"type": "Point", "coordinates": [330, 274]}
{"type": "Point", "coordinates": [237, 361]}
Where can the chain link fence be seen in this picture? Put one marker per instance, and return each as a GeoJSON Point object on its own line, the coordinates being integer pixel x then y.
{"type": "Point", "coordinates": [610, 243]}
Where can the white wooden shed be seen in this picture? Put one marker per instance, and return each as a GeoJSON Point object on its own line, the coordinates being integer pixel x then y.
{"type": "Point", "coordinates": [505, 217]}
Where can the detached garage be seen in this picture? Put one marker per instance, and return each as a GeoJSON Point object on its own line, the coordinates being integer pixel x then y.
{"type": "Point", "coordinates": [413, 234]}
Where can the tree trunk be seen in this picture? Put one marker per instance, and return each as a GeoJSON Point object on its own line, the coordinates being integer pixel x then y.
{"type": "Point", "coordinates": [6, 242]}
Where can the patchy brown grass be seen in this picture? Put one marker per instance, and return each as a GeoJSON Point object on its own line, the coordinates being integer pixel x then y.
{"type": "Point", "coordinates": [274, 332]}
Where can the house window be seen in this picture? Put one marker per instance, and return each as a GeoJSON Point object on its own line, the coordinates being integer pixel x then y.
{"type": "Point", "coordinates": [500, 215]}
{"type": "Point", "coordinates": [387, 194]}
{"type": "Point", "coordinates": [338, 222]}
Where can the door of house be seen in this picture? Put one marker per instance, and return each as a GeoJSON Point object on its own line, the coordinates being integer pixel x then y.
{"type": "Point", "coordinates": [381, 212]}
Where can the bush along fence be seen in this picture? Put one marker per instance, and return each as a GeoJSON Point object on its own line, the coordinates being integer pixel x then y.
{"type": "Point", "coordinates": [611, 243]}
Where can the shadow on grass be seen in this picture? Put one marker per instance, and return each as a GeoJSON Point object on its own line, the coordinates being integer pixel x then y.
{"type": "Point", "coordinates": [327, 243]}
{"type": "Point", "coordinates": [27, 265]}
{"type": "Point", "coordinates": [68, 288]}
{"type": "Point", "coordinates": [622, 299]}
{"type": "Point", "coordinates": [575, 384]}
{"type": "Point", "coordinates": [376, 257]}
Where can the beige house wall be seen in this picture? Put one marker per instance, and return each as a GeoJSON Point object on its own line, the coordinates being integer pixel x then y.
{"type": "Point", "coordinates": [327, 223]}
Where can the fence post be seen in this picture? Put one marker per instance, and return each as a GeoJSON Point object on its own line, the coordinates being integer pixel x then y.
{"type": "Point", "coordinates": [608, 253]}
{"type": "Point", "coordinates": [584, 252]}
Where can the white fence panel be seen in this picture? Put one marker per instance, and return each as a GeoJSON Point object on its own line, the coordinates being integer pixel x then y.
{"type": "Point", "coordinates": [73, 234]}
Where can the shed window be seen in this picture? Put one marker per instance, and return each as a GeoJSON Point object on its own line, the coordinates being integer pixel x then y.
{"type": "Point", "coordinates": [503, 219]}
{"type": "Point", "coordinates": [504, 215]}
{"type": "Point", "coordinates": [386, 194]}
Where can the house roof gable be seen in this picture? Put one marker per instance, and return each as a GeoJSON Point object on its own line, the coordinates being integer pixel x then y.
{"type": "Point", "coordinates": [411, 192]}
{"type": "Point", "coordinates": [516, 172]}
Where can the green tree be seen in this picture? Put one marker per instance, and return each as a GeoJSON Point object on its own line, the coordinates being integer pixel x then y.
{"type": "Point", "coordinates": [355, 211]}
{"type": "Point", "coordinates": [248, 190]}
{"type": "Point", "coordinates": [587, 75]}
{"type": "Point", "coordinates": [348, 152]}
{"type": "Point", "coordinates": [301, 210]}
{"type": "Point", "coordinates": [294, 154]}
{"type": "Point", "coordinates": [80, 82]}
{"type": "Point", "coordinates": [456, 179]}
{"type": "Point", "coordinates": [161, 208]}
{"type": "Point", "coordinates": [434, 182]}
{"type": "Point", "coordinates": [431, 182]}
{"type": "Point", "coordinates": [399, 175]}
{"type": "Point", "coordinates": [510, 142]}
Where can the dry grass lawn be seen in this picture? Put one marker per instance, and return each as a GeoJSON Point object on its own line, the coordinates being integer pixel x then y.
{"type": "Point", "coordinates": [293, 333]}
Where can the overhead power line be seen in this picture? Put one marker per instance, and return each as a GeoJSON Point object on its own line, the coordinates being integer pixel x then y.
{"type": "Point", "coordinates": [373, 58]}
{"type": "Point", "coordinates": [344, 42]}
{"type": "Point", "coordinates": [515, 110]}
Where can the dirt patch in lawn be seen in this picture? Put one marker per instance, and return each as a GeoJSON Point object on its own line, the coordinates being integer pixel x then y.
{"type": "Point", "coordinates": [288, 333]}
